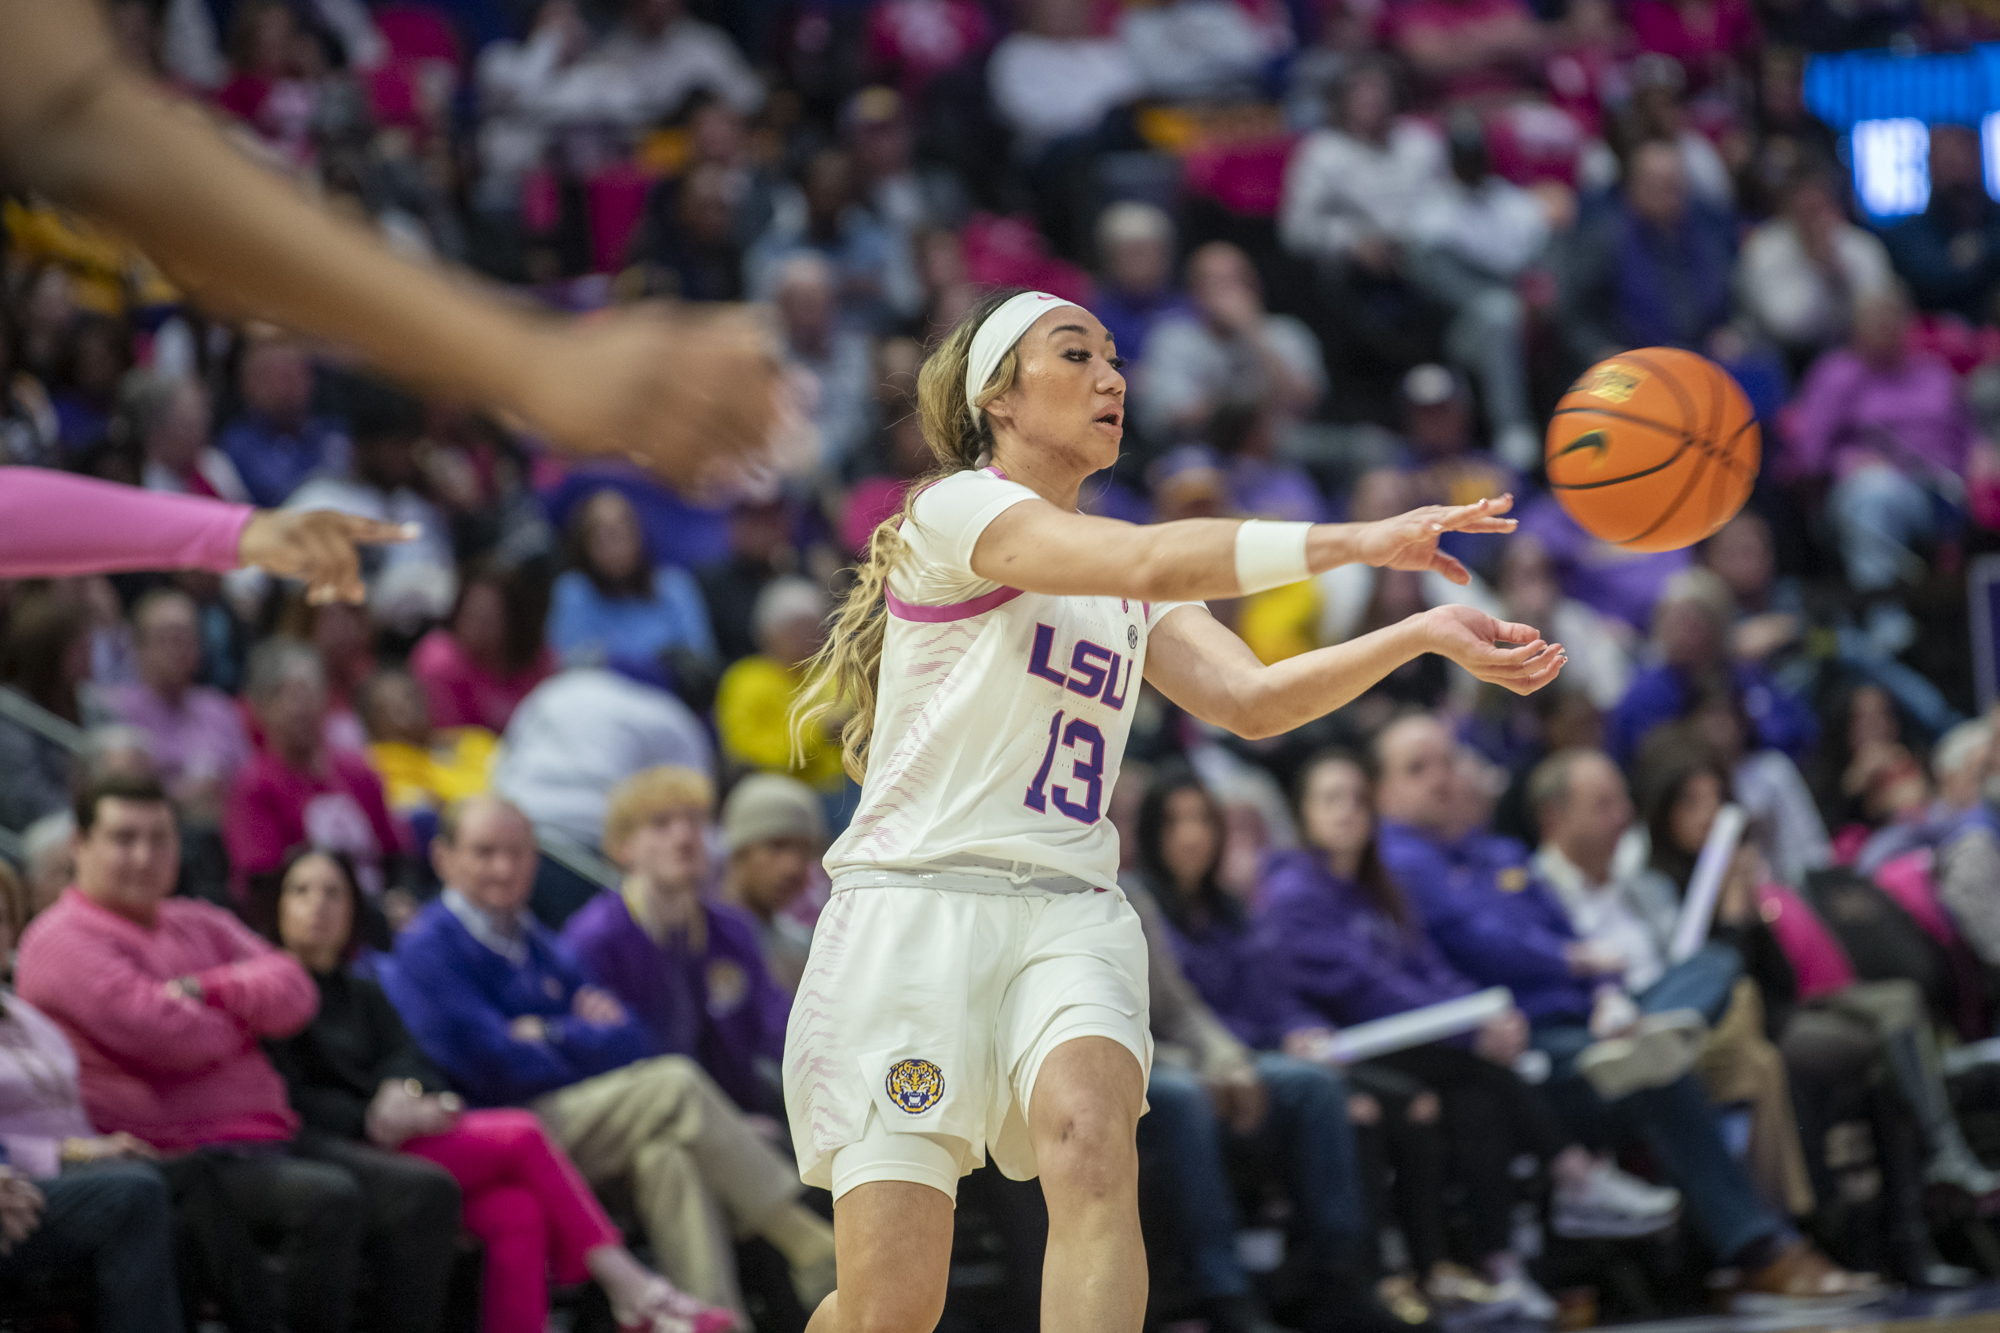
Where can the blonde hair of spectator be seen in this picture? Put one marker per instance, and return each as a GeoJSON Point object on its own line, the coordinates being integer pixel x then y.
{"type": "Point", "coordinates": [841, 677]}
{"type": "Point", "coordinates": [650, 792]}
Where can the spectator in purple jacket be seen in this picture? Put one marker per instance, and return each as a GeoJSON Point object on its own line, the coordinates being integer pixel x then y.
{"type": "Point", "coordinates": [1352, 949]}
{"type": "Point", "coordinates": [1227, 1095]}
{"type": "Point", "coordinates": [1692, 623]}
{"type": "Point", "coordinates": [690, 972]}
{"type": "Point", "coordinates": [1493, 921]}
{"type": "Point", "coordinates": [1889, 428]}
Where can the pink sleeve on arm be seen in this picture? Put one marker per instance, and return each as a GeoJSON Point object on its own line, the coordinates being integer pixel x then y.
{"type": "Point", "coordinates": [262, 987]}
{"type": "Point", "coordinates": [124, 1011]}
{"type": "Point", "coordinates": [54, 524]}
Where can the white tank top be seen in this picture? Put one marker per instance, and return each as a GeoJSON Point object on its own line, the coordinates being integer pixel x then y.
{"type": "Point", "coordinates": [1001, 716]}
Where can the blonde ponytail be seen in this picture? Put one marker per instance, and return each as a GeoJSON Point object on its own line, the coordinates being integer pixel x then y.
{"type": "Point", "coordinates": [841, 677]}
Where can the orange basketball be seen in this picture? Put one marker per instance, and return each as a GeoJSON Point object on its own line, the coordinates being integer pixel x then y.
{"type": "Point", "coordinates": [1653, 449]}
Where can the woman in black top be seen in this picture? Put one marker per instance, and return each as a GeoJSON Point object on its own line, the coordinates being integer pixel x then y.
{"type": "Point", "coordinates": [360, 1081]}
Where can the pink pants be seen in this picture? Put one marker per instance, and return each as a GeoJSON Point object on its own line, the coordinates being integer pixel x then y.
{"type": "Point", "coordinates": [527, 1204]}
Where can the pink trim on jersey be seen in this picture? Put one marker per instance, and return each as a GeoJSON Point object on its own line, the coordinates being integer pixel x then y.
{"type": "Point", "coordinates": [995, 472]}
{"type": "Point", "coordinates": [978, 606]}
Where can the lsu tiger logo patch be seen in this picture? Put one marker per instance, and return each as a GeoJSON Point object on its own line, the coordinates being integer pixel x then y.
{"type": "Point", "coordinates": [915, 1085]}
{"type": "Point", "coordinates": [1612, 382]}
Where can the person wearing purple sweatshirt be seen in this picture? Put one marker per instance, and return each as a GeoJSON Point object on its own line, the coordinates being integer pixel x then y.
{"type": "Point", "coordinates": [1351, 949]}
{"type": "Point", "coordinates": [1490, 918]}
{"type": "Point", "coordinates": [691, 972]}
{"type": "Point", "coordinates": [1220, 1090]}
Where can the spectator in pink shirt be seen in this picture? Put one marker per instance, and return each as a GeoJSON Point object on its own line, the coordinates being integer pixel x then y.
{"type": "Point", "coordinates": [478, 666]}
{"type": "Point", "coordinates": [1708, 37]}
{"type": "Point", "coordinates": [1888, 425]}
{"type": "Point", "coordinates": [166, 1032]}
{"type": "Point", "coordinates": [343, 634]}
{"type": "Point", "coordinates": [194, 732]}
{"type": "Point", "coordinates": [914, 41]}
{"type": "Point", "coordinates": [100, 1202]}
{"type": "Point", "coordinates": [1463, 49]}
{"type": "Point", "coordinates": [299, 791]}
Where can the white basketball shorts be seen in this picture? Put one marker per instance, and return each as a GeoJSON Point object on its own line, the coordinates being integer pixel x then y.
{"type": "Point", "coordinates": [925, 1014]}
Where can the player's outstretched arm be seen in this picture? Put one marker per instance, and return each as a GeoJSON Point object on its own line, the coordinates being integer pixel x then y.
{"type": "Point", "coordinates": [1038, 547]}
{"type": "Point", "coordinates": [674, 391]}
{"type": "Point", "coordinates": [53, 525]}
{"type": "Point", "coordinates": [1200, 665]}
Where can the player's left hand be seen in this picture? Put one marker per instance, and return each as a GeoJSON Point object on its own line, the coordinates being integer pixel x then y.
{"type": "Point", "coordinates": [1471, 638]}
{"type": "Point", "coordinates": [1410, 541]}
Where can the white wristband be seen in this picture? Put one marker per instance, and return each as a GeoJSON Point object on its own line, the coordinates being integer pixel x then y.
{"type": "Point", "coordinates": [1270, 555]}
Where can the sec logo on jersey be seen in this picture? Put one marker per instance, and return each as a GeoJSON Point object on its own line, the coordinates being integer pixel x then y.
{"type": "Point", "coordinates": [915, 1085]}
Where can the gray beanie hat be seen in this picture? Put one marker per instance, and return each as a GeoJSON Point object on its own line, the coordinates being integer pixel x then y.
{"type": "Point", "coordinates": [769, 805]}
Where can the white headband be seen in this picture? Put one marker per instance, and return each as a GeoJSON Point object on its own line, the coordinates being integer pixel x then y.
{"type": "Point", "coordinates": [1001, 330]}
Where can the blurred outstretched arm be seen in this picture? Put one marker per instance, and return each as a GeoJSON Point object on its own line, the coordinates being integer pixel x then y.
{"type": "Point", "coordinates": [675, 391]}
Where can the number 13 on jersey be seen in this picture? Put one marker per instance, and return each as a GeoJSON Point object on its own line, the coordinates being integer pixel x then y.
{"type": "Point", "coordinates": [1074, 737]}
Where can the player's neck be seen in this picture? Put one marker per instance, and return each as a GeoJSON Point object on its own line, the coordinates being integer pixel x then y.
{"type": "Point", "coordinates": [1054, 479]}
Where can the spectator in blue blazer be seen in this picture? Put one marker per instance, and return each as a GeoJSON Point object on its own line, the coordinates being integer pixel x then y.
{"type": "Point", "coordinates": [499, 1005]}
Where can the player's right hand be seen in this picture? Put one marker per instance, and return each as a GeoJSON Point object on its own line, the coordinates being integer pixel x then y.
{"type": "Point", "coordinates": [316, 546]}
{"type": "Point", "coordinates": [689, 392]}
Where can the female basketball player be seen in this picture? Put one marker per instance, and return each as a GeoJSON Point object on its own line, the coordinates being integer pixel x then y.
{"type": "Point", "coordinates": [977, 982]}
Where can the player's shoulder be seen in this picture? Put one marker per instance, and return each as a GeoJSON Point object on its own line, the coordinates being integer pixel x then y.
{"type": "Point", "coordinates": [965, 497]}
{"type": "Point", "coordinates": [973, 482]}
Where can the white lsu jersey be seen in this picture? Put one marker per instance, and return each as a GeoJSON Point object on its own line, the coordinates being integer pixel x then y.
{"type": "Point", "coordinates": [1001, 715]}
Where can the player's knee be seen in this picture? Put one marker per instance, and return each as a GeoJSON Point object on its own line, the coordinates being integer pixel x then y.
{"type": "Point", "coordinates": [1088, 1151]}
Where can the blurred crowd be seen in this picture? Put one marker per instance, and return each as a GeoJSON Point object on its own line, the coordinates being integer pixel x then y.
{"type": "Point", "coordinates": [531, 823]}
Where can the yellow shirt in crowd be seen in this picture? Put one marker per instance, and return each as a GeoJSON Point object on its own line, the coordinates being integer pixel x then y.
{"type": "Point", "coordinates": [753, 712]}
{"type": "Point", "coordinates": [458, 766]}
